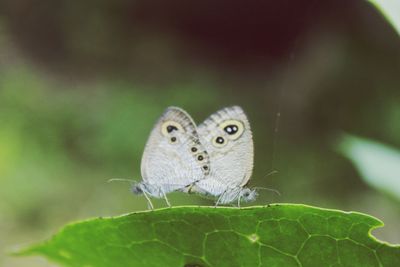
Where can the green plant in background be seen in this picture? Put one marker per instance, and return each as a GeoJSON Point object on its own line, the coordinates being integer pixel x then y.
{"type": "Point", "coordinates": [76, 131]}
{"type": "Point", "coordinates": [378, 164]}
{"type": "Point", "coordinates": [275, 235]}
{"type": "Point", "coordinates": [391, 10]}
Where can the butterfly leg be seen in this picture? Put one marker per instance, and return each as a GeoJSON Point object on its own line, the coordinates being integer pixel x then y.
{"type": "Point", "coordinates": [167, 201]}
{"type": "Point", "coordinates": [165, 197]}
{"type": "Point", "coordinates": [149, 204]}
{"type": "Point", "coordinates": [239, 198]}
{"type": "Point", "coordinates": [216, 203]}
{"type": "Point", "coordinates": [219, 199]}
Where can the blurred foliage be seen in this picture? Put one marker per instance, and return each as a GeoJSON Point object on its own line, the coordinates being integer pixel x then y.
{"type": "Point", "coordinates": [391, 10]}
{"type": "Point", "coordinates": [49, 135]}
{"type": "Point", "coordinates": [378, 164]}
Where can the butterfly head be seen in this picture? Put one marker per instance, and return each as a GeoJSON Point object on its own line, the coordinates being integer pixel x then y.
{"type": "Point", "coordinates": [137, 188]}
{"type": "Point", "coordinates": [248, 195]}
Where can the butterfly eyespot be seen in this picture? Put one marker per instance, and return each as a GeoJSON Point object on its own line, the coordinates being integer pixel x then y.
{"type": "Point", "coordinates": [173, 139]}
{"type": "Point", "coordinates": [171, 128]}
{"type": "Point", "coordinates": [219, 141]}
{"type": "Point", "coordinates": [200, 158]}
{"type": "Point", "coordinates": [205, 167]}
{"type": "Point", "coordinates": [193, 149]}
{"type": "Point", "coordinates": [233, 128]}
{"type": "Point", "coordinates": [168, 127]}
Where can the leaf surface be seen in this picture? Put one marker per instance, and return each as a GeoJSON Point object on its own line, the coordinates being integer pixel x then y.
{"type": "Point", "coordinates": [274, 235]}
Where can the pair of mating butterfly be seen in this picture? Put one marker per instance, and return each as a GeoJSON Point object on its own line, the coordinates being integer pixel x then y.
{"type": "Point", "coordinates": [214, 159]}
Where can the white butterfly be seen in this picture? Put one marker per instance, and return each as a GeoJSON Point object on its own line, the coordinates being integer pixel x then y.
{"type": "Point", "coordinates": [213, 159]}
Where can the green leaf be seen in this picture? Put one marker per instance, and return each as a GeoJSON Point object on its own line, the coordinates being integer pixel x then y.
{"type": "Point", "coordinates": [378, 164]}
{"type": "Point", "coordinates": [274, 235]}
{"type": "Point", "coordinates": [391, 10]}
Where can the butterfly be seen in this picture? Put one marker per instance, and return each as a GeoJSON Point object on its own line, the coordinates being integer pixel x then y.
{"type": "Point", "coordinates": [213, 159]}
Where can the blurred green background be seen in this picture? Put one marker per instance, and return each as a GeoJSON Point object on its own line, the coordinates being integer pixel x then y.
{"type": "Point", "coordinates": [82, 83]}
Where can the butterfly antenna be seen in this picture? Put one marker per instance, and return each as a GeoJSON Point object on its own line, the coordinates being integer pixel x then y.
{"type": "Point", "coordinates": [120, 180]}
{"type": "Point", "coordinates": [271, 173]}
{"type": "Point", "coordinates": [268, 189]}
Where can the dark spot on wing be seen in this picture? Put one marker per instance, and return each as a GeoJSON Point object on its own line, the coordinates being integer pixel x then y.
{"type": "Point", "coordinates": [231, 129]}
{"type": "Point", "coordinates": [171, 128]}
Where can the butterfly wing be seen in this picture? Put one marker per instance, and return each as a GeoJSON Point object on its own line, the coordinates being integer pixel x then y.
{"type": "Point", "coordinates": [174, 156]}
{"type": "Point", "coordinates": [227, 137]}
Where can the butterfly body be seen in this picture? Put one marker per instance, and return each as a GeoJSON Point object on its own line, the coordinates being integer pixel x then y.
{"type": "Point", "coordinates": [214, 159]}
{"type": "Point", "coordinates": [228, 139]}
{"type": "Point", "coordinates": [170, 159]}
